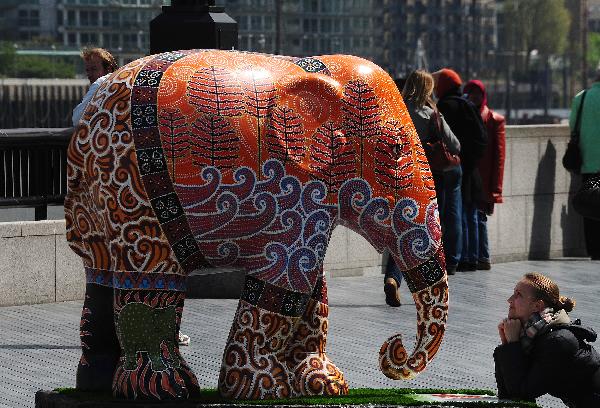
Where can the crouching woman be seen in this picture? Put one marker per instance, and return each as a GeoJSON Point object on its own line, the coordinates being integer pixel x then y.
{"type": "Point", "coordinates": [543, 351]}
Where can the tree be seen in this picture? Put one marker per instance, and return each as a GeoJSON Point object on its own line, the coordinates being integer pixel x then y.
{"type": "Point", "coordinates": [285, 137]}
{"type": "Point", "coordinates": [333, 157]}
{"type": "Point", "coordinates": [361, 113]}
{"type": "Point", "coordinates": [214, 142]}
{"type": "Point", "coordinates": [540, 25]}
{"type": "Point", "coordinates": [173, 127]}
{"type": "Point", "coordinates": [260, 100]}
{"type": "Point", "coordinates": [214, 91]}
{"type": "Point", "coordinates": [593, 55]}
{"type": "Point", "coordinates": [7, 59]}
{"type": "Point", "coordinates": [393, 158]}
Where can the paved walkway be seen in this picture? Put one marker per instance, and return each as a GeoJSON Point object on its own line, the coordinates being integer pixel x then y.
{"type": "Point", "coordinates": [39, 344]}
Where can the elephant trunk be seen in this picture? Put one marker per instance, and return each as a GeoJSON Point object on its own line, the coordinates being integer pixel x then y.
{"type": "Point", "coordinates": [432, 313]}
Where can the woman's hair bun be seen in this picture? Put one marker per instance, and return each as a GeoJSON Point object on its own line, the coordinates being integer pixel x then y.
{"type": "Point", "coordinates": [566, 303]}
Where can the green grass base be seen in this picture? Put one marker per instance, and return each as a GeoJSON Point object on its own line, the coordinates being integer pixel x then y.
{"type": "Point", "coordinates": [357, 396]}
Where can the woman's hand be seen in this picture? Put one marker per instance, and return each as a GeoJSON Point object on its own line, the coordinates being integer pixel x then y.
{"type": "Point", "coordinates": [501, 332]}
{"type": "Point", "coordinates": [512, 329]}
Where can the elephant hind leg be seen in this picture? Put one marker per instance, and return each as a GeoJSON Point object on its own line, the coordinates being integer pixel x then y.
{"type": "Point", "coordinates": [314, 373]}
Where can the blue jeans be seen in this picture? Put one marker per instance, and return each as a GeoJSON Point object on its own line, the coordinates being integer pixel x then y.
{"type": "Point", "coordinates": [484, 248]}
{"type": "Point", "coordinates": [470, 249]}
{"type": "Point", "coordinates": [392, 271]}
{"type": "Point", "coordinates": [447, 186]}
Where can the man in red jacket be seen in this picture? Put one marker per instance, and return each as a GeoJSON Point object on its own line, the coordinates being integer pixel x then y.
{"type": "Point", "coordinates": [491, 165]}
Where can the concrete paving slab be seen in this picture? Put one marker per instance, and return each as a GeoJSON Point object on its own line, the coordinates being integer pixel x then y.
{"type": "Point", "coordinates": [39, 344]}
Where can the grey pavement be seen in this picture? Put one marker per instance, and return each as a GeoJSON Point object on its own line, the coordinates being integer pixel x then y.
{"type": "Point", "coordinates": [39, 344]}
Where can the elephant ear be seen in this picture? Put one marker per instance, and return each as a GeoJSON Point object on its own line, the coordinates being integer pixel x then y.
{"type": "Point", "coordinates": [313, 96]}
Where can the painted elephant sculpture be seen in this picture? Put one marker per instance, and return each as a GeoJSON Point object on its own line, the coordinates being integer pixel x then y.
{"type": "Point", "coordinates": [199, 158]}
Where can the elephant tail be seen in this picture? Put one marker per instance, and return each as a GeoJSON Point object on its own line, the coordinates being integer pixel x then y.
{"type": "Point", "coordinates": [432, 314]}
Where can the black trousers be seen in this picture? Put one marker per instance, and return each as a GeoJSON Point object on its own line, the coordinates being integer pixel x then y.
{"type": "Point", "coordinates": [591, 231]}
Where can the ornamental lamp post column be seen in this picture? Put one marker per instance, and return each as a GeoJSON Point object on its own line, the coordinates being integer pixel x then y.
{"type": "Point", "coordinates": [192, 24]}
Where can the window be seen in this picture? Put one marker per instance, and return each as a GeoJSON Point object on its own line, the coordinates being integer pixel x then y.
{"type": "Point", "coordinates": [29, 18]}
{"type": "Point", "coordinates": [88, 18]}
{"type": "Point", "coordinates": [255, 23]}
{"type": "Point", "coordinates": [110, 40]}
{"type": "Point", "coordinates": [268, 23]}
{"type": "Point", "coordinates": [89, 38]}
{"type": "Point", "coordinates": [130, 41]}
{"type": "Point", "coordinates": [71, 39]}
{"type": "Point", "coordinates": [110, 19]}
{"type": "Point", "coordinates": [243, 22]}
{"type": "Point", "coordinates": [70, 18]}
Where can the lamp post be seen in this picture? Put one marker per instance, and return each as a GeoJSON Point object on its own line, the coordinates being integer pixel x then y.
{"type": "Point", "coordinates": [189, 24]}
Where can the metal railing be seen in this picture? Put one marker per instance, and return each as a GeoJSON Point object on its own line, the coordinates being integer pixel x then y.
{"type": "Point", "coordinates": [33, 164]}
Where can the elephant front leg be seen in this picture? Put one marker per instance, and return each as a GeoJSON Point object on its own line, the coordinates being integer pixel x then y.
{"type": "Point", "coordinates": [151, 367]}
{"type": "Point", "coordinates": [254, 365]}
{"type": "Point", "coordinates": [314, 373]}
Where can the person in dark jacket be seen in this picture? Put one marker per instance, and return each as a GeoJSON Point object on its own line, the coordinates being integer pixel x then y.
{"type": "Point", "coordinates": [491, 166]}
{"type": "Point", "coordinates": [543, 351]}
{"type": "Point", "coordinates": [465, 121]}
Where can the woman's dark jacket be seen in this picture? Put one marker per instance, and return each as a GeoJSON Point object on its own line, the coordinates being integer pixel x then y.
{"type": "Point", "coordinates": [560, 363]}
{"type": "Point", "coordinates": [465, 121]}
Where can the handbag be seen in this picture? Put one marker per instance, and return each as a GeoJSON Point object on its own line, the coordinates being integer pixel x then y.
{"type": "Point", "coordinates": [438, 155]}
{"type": "Point", "coordinates": [586, 200]}
{"type": "Point", "coordinates": [572, 159]}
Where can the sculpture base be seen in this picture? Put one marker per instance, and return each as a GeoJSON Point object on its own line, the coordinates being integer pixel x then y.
{"type": "Point", "coordinates": [71, 398]}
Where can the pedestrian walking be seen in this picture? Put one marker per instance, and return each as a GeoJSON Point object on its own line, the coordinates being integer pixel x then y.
{"type": "Point", "coordinates": [417, 93]}
{"type": "Point", "coordinates": [491, 166]}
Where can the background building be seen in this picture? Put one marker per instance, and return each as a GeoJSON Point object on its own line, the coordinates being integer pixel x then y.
{"type": "Point", "coordinates": [457, 33]}
{"type": "Point", "coordinates": [398, 35]}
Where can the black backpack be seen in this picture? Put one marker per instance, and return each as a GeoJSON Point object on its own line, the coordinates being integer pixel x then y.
{"type": "Point", "coordinates": [477, 137]}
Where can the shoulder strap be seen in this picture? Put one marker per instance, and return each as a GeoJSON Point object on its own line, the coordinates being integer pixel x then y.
{"type": "Point", "coordinates": [434, 121]}
{"type": "Point", "coordinates": [578, 118]}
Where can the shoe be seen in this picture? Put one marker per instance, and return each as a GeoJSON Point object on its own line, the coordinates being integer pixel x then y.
{"type": "Point", "coordinates": [392, 297]}
{"type": "Point", "coordinates": [183, 339]}
{"type": "Point", "coordinates": [450, 269]}
{"type": "Point", "coordinates": [466, 267]}
{"type": "Point", "coordinates": [484, 265]}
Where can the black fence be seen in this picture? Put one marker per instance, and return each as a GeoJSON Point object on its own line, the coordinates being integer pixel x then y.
{"type": "Point", "coordinates": [33, 164]}
{"type": "Point", "coordinates": [39, 103]}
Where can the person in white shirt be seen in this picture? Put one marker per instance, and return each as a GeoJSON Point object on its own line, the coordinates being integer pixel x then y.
{"type": "Point", "coordinates": [99, 64]}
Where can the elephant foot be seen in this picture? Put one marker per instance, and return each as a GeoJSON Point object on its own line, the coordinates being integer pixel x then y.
{"type": "Point", "coordinates": [317, 375]}
{"type": "Point", "coordinates": [165, 378]}
{"type": "Point", "coordinates": [254, 364]}
{"type": "Point", "coordinates": [314, 373]}
{"type": "Point", "coordinates": [95, 372]}
{"type": "Point", "coordinates": [150, 366]}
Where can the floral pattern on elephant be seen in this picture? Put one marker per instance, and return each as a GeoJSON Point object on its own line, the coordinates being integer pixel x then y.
{"type": "Point", "coordinates": [194, 158]}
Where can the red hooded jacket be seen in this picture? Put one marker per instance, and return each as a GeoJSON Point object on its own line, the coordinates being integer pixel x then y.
{"type": "Point", "coordinates": [491, 165]}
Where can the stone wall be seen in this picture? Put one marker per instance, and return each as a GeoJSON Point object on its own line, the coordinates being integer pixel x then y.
{"type": "Point", "coordinates": [535, 221]}
{"type": "Point", "coordinates": [37, 265]}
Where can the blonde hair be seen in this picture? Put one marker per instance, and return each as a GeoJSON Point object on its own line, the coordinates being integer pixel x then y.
{"type": "Point", "coordinates": [545, 289]}
{"type": "Point", "coordinates": [108, 61]}
{"type": "Point", "coordinates": [418, 88]}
